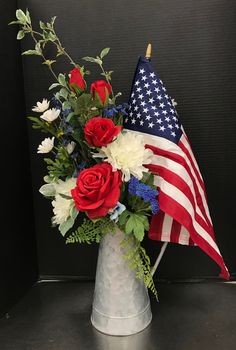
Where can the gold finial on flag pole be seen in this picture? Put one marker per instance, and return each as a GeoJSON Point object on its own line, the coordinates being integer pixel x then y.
{"type": "Point", "coordinates": [149, 51]}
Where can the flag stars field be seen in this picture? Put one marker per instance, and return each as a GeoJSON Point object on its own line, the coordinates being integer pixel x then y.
{"type": "Point", "coordinates": [151, 104]}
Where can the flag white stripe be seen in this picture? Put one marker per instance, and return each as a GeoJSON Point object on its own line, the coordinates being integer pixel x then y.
{"type": "Point", "coordinates": [166, 227]}
{"type": "Point", "coordinates": [204, 202]}
{"type": "Point", "coordinates": [174, 192]}
{"type": "Point", "coordinates": [181, 172]}
{"type": "Point", "coordinates": [166, 145]}
{"type": "Point", "coordinates": [187, 145]}
{"type": "Point", "coordinates": [184, 236]}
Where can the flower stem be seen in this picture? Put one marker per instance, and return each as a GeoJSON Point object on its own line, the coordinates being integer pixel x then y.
{"type": "Point", "coordinates": [49, 66]}
{"type": "Point", "coordinates": [108, 81]}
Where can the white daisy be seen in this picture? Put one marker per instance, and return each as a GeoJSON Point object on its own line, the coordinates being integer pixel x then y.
{"type": "Point", "coordinates": [41, 106]}
{"type": "Point", "coordinates": [50, 115]}
{"type": "Point", "coordinates": [46, 145]}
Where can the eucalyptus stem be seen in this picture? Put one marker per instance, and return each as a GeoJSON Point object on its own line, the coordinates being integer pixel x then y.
{"type": "Point", "coordinates": [63, 49]}
{"type": "Point", "coordinates": [58, 45]}
{"type": "Point", "coordinates": [108, 81]}
{"type": "Point", "coordinates": [45, 60]}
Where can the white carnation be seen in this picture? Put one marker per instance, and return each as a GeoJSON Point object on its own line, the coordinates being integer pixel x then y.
{"type": "Point", "coordinates": [41, 106]}
{"type": "Point", "coordinates": [50, 115]}
{"type": "Point", "coordinates": [61, 209]}
{"type": "Point", "coordinates": [46, 145]}
{"type": "Point", "coordinates": [65, 187]}
{"type": "Point", "coordinates": [128, 154]}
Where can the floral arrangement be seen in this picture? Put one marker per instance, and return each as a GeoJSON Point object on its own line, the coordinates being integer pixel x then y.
{"type": "Point", "coordinates": [96, 175]}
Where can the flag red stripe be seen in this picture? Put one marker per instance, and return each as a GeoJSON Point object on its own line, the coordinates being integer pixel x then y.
{"type": "Point", "coordinates": [177, 158]}
{"type": "Point", "coordinates": [191, 242]}
{"type": "Point", "coordinates": [175, 231]}
{"type": "Point", "coordinates": [184, 149]}
{"type": "Point", "coordinates": [174, 209]}
{"type": "Point", "coordinates": [155, 232]}
{"type": "Point", "coordinates": [177, 181]}
{"type": "Point", "coordinates": [184, 139]}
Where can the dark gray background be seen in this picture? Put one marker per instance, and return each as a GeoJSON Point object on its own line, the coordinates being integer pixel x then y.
{"type": "Point", "coordinates": [194, 52]}
{"type": "Point", "coordinates": [18, 256]}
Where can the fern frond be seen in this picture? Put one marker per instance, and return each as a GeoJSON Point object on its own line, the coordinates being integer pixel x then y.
{"type": "Point", "coordinates": [138, 260]}
{"type": "Point", "coordinates": [90, 231]}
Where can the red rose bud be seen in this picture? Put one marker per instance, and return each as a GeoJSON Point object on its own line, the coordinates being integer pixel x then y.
{"type": "Point", "coordinates": [100, 131]}
{"type": "Point", "coordinates": [97, 190]}
{"type": "Point", "coordinates": [102, 89]}
{"type": "Point", "coordinates": [76, 79]}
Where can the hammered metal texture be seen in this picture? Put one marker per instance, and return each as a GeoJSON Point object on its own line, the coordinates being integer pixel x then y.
{"type": "Point", "coordinates": [121, 303]}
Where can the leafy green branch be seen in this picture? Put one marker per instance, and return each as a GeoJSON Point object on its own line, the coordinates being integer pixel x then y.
{"type": "Point", "coordinates": [43, 126]}
{"type": "Point", "coordinates": [62, 166]}
{"type": "Point", "coordinates": [47, 35]}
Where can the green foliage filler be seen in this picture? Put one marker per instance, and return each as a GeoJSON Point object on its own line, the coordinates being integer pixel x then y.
{"type": "Point", "coordinates": [138, 260]}
{"type": "Point", "coordinates": [91, 231]}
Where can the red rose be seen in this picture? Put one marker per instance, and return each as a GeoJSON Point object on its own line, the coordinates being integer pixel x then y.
{"type": "Point", "coordinates": [97, 190]}
{"type": "Point", "coordinates": [102, 89]}
{"type": "Point", "coordinates": [76, 79]}
{"type": "Point", "coordinates": [100, 131]}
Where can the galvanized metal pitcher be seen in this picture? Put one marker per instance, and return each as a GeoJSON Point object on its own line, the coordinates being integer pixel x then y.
{"type": "Point", "coordinates": [121, 303]}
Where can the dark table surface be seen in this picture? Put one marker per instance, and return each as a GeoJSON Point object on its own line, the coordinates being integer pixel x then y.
{"type": "Point", "coordinates": [56, 316]}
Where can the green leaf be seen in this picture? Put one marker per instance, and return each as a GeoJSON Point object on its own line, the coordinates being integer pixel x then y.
{"type": "Point", "coordinates": [53, 20]}
{"type": "Point", "coordinates": [63, 228]}
{"type": "Point", "coordinates": [91, 59]}
{"type": "Point", "coordinates": [62, 79]}
{"type": "Point", "coordinates": [48, 190]}
{"type": "Point", "coordinates": [74, 213]}
{"type": "Point", "coordinates": [53, 86]}
{"type": "Point", "coordinates": [42, 25]}
{"type": "Point", "coordinates": [47, 179]}
{"type": "Point", "coordinates": [82, 105]}
{"type": "Point", "coordinates": [31, 52]}
{"type": "Point", "coordinates": [104, 52]}
{"type": "Point", "coordinates": [63, 93]}
{"type": "Point", "coordinates": [49, 62]}
{"type": "Point", "coordinates": [123, 217]}
{"type": "Point", "coordinates": [21, 16]}
{"type": "Point", "coordinates": [135, 223]}
{"type": "Point", "coordinates": [66, 105]}
{"type": "Point", "coordinates": [20, 35]}
{"type": "Point", "coordinates": [28, 16]}
{"type": "Point", "coordinates": [51, 36]}
{"type": "Point", "coordinates": [38, 48]}
{"type": "Point", "coordinates": [70, 115]}
{"type": "Point", "coordinates": [14, 22]}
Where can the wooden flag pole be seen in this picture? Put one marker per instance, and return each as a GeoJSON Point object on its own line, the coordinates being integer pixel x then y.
{"type": "Point", "coordinates": [149, 51]}
{"type": "Point", "coordinates": [164, 246]}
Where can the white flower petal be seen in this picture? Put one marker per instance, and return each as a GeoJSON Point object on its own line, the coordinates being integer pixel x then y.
{"type": "Point", "coordinates": [46, 145]}
{"type": "Point", "coordinates": [70, 147]}
{"type": "Point", "coordinates": [41, 106]}
{"type": "Point", "coordinates": [128, 154]}
{"type": "Point", "coordinates": [61, 209]}
{"type": "Point", "coordinates": [65, 187]}
{"type": "Point", "coordinates": [50, 115]}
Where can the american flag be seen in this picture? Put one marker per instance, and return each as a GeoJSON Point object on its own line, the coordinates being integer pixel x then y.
{"type": "Point", "coordinates": [184, 216]}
